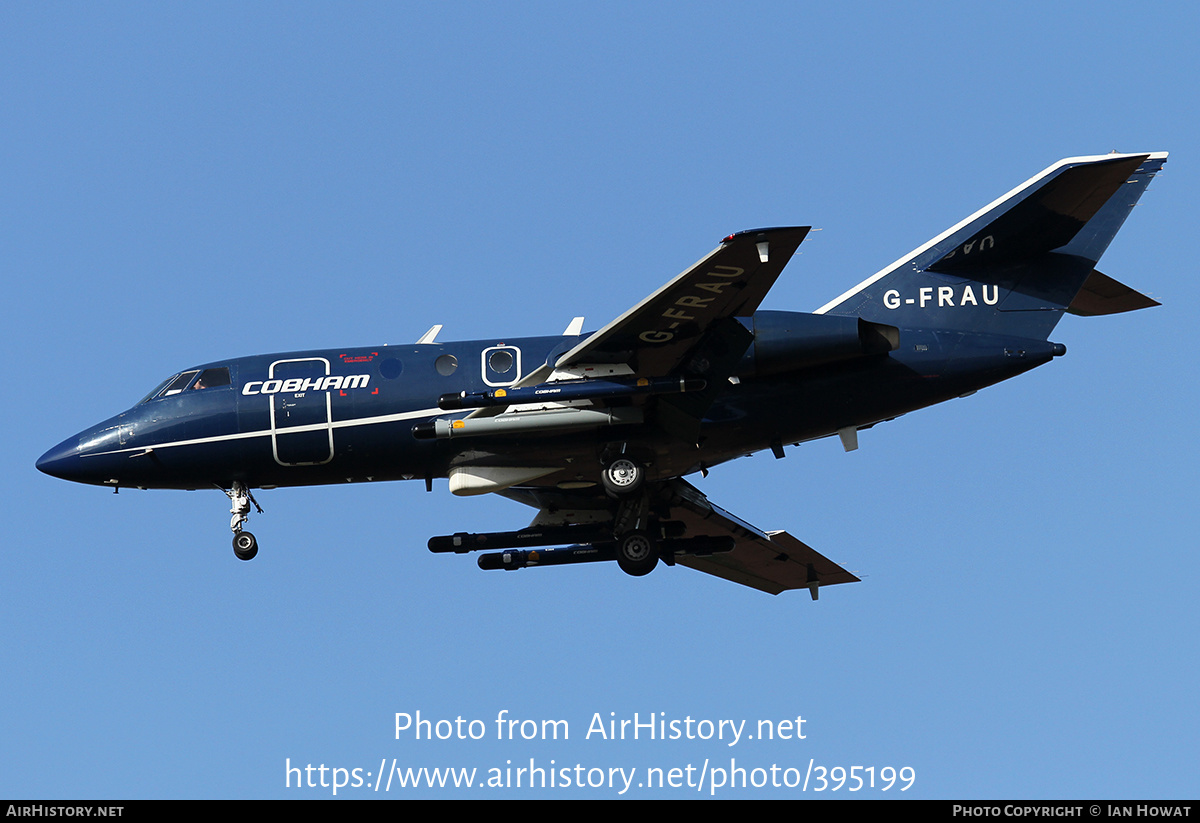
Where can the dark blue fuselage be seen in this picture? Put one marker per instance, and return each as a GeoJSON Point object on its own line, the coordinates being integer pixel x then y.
{"type": "Point", "coordinates": [305, 418]}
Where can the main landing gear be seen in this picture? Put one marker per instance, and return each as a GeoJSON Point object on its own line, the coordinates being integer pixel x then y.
{"type": "Point", "coordinates": [635, 546]}
{"type": "Point", "coordinates": [637, 553]}
{"type": "Point", "coordinates": [622, 476]}
{"type": "Point", "coordinates": [245, 546]}
{"type": "Point", "coordinates": [637, 536]}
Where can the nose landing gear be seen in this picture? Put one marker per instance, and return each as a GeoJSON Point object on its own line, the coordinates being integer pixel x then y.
{"type": "Point", "coordinates": [245, 546]}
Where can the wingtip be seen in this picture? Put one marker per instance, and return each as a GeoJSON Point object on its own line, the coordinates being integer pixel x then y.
{"type": "Point", "coordinates": [764, 231]}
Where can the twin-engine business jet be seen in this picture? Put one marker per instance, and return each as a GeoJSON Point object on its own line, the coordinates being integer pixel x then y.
{"type": "Point", "coordinates": [597, 431]}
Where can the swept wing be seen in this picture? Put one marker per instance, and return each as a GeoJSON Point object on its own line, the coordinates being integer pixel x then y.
{"type": "Point", "coordinates": [656, 336]}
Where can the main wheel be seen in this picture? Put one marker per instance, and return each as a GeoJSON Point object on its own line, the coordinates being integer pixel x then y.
{"type": "Point", "coordinates": [636, 553]}
{"type": "Point", "coordinates": [245, 546]}
{"type": "Point", "coordinates": [622, 477]}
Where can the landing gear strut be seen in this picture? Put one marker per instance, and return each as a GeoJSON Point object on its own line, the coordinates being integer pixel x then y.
{"type": "Point", "coordinates": [245, 546]}
{"type": "Point", "coordinates": [634, 537]}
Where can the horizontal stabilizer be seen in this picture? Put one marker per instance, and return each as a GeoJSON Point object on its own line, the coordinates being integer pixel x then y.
{"type": "Point", "coordinates": [1103, 295]}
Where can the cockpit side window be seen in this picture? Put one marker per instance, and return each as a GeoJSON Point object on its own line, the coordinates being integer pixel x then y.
{"type": "Point", "coordinates": [212, 378]}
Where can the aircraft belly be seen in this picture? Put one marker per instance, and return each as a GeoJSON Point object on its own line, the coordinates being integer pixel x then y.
{"type": "Point", "coordinates": [755, 415]}
{"type": "Point", "coordinates": [819, 403]}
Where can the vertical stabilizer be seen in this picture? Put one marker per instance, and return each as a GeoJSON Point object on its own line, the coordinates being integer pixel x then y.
{"type": "Point", "coordinates": [1016, 265]}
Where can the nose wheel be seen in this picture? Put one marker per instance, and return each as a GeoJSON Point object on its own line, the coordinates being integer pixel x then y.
{"type": "Point", "coordinates": [245, 545]}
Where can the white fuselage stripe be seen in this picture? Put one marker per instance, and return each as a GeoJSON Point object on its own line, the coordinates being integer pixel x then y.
{"type": "Point", "coordinates": [337, 424]}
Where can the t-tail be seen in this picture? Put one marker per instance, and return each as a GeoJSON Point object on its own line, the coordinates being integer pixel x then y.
{"type": "Point", "coordinates": [1016, 265]}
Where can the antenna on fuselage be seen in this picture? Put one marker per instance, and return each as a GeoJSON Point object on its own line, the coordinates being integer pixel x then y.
{"type": "Point", "coordinates": [431, 335]}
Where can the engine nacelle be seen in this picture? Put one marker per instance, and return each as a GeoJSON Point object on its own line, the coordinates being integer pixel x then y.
{"type": "Point", "coordinates": [789, 341]}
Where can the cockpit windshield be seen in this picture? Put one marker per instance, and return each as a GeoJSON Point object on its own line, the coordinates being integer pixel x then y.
{"type": "Point", "coordinates": [195, 380]}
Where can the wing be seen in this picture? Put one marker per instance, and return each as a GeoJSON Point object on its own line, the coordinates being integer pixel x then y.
{"type": "Point", "coordinates": [657, 335]}
{"type": "Point", "coordinates": [711, 539]}
{"type": "Point", "coordinates": [771, 562]}
{"type": "Point", "coordinates": [670, 355]}
{"type": "Point", "coordinates": [686, 329]}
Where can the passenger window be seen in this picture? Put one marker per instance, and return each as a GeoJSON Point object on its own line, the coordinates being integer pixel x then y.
{"type": "Point", "coordinates": [446, 365]}
{"type": "Point", "coordinates": [500, 361]}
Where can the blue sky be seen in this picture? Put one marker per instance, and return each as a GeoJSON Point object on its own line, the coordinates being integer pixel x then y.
{"type": "Point", "coordinates": [187, 183]}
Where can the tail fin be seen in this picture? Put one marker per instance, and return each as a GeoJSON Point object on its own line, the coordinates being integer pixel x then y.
{"type": "Point", "coordinates": [1017, 264]}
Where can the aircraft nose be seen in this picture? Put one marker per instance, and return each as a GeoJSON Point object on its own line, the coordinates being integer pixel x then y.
{"type": "Point", "coordinates": [88, 457]}
{"type": "Point", "coordinates": [62, 461]}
